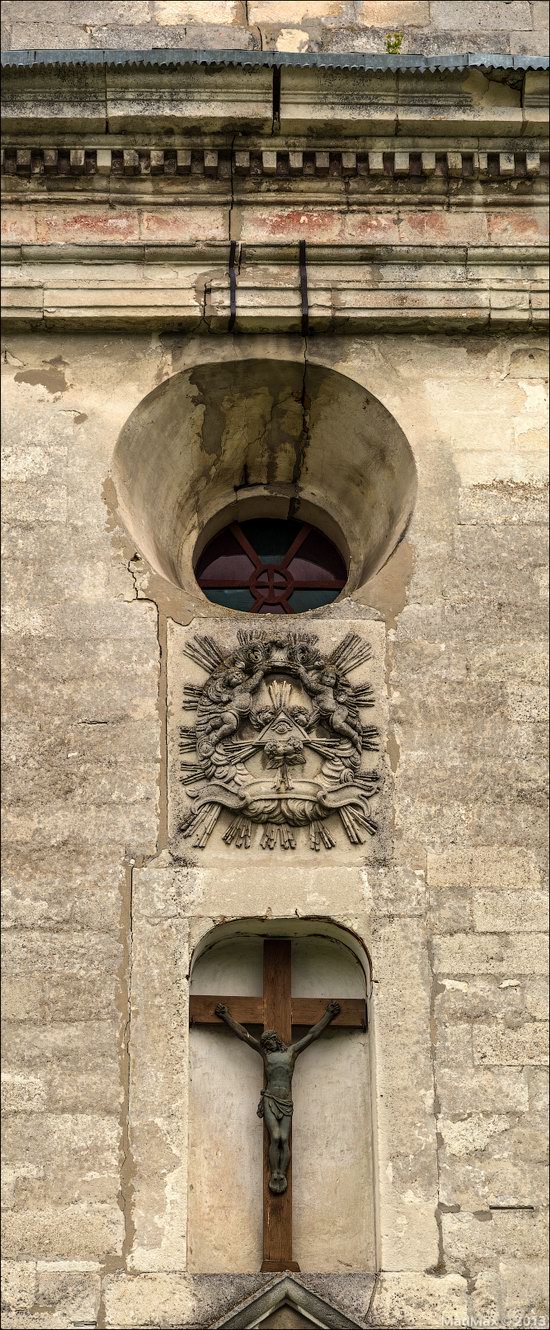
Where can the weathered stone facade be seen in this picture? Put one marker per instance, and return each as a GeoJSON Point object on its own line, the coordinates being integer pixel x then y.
{"type": "Point", "coordinates": [425, 27]}
{"type": "Point", "coordinates": [170, 352]}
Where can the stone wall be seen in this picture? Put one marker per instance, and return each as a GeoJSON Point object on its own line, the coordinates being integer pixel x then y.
{"type": "Point", "coordinates": [152, 220]}
{"type": "Point", "coordinates": [429, 27]}
{"type": "Point", "coordinates": [463, 897]}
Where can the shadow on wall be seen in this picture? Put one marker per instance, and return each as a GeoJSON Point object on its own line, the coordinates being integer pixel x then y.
{"type": "Point", "coordinates": [262, 437]}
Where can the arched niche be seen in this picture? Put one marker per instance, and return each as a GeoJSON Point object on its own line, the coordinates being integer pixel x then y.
{"type": "Point", "coordinates": [246, 438]}
{"type": "Point", "coordinates": [332, 1154]}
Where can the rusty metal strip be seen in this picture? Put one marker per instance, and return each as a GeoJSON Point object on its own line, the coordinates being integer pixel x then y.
{"type": "Point", "coordinates": [232, 286]}
{"type": "Point", "coordinates": [303, 287]}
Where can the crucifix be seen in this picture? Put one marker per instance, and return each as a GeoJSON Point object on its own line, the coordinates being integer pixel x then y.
{"type": "Point", "coordinates": [277, 1011]}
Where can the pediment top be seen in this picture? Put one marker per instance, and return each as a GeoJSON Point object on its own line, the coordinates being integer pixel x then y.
{"type": "Point", "coordinates": [288, 1291]}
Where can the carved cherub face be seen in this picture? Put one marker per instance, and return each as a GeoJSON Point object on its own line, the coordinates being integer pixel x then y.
{"type": "Point", "coordinates": [329, 677]}
{"type": "Point", "coordinates": [271, 1041]}
{"type": "Point", "coordinates": [300, 715]}
{"type": "Point", "coordinates": [233, 678]}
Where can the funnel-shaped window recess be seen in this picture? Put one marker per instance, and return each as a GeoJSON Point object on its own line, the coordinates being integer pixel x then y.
{"type": "Point", "coordinates": [224, 467]}
{"type": "Point", "coordinates": [271, 566]}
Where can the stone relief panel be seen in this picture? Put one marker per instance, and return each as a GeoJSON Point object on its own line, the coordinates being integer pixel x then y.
{"type": "Point", "coordinates": [276, 739]}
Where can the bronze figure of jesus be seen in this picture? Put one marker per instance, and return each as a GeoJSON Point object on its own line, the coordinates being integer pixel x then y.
{"type": "Point", "coordinates": [275, 1105]}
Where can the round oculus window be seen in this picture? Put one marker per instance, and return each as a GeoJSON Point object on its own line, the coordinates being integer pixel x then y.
{"type": "Point", "coordinates": [271, 566]}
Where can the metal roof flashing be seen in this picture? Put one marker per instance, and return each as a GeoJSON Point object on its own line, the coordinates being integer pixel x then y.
{"type": "Point", "coordinates": [175, 58]}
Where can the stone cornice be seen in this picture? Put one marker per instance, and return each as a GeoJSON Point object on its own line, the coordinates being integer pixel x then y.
{"type": "Point", "coordinates": [188, 287]}
{"type": "Point", "coordinates": [378, 178]}
{"type": "Point", "coordinates": [307, 100]}
{"type": "Point", "coordinates": [275, 163]}
{"type": "Point", "coordinates": [253, 158]}
{"type": "Point", "coordinates": [214, 253]}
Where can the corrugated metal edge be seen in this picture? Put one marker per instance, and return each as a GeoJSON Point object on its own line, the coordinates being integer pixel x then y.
{"type": "Point", "coordinates": [175, 58]}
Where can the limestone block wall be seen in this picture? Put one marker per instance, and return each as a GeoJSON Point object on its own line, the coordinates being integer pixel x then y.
{"type": "Point", "coordinates": [429, 27]}
{"type": "Point", "coordinates": [95, 1223]}
{"type": "Point", "coordinates": [422, 205]}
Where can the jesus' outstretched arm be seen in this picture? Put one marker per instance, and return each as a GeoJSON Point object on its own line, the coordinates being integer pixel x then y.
{"type": "Point", "coordinates": [225, 1015]}
{"type": "Point", "coordinates": [332, 1010]}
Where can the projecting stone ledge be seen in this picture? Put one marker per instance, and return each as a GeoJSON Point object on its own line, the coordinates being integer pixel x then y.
{"type": "Point", "coordinates": [189, 286]}
{"type": "Point", "coordinates": [146, 92]}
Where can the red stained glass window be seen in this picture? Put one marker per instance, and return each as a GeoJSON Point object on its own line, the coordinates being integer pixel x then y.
{"type": "Point", "coordinates": [268, 566]}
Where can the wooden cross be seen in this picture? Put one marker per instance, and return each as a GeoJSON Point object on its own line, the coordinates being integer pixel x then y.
{"type": "Point", "coordinates": [277, 1010]}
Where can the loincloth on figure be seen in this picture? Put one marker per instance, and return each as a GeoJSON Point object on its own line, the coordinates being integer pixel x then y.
{"type": "Point", "coordinates": [281, 1108]}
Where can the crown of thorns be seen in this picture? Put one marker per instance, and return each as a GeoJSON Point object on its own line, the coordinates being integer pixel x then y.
{"type": "Point", "coordinates": [272, 1034]}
